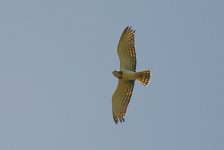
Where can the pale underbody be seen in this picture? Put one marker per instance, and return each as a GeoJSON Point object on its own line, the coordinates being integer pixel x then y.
{"type": "Point", "coordinates": [126, 75]}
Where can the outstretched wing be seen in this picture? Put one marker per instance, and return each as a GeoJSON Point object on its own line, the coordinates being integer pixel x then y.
{"type": "Point", "coordinates": [126, 50]}
{"type": "Point", "coordinates": [121, 99]}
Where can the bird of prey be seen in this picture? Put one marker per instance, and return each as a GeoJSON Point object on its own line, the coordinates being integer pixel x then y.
{"type": "Point", "coordinates": [127, 74]}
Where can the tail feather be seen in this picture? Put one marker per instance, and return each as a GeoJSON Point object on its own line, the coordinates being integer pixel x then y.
{"type": "Point", "coordinates": [144, 77]}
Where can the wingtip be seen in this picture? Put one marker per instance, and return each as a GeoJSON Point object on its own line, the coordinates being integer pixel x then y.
{"type": "Point", "coordinates": [115, 118]}
{"type": "Point", "coordinates": [126, 29]}
{"type": "Point", "coordinates": [118, 119]}
{"type": "Point", "coordinates": [129, 28]}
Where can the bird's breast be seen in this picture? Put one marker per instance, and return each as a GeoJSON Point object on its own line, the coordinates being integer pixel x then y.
{"type": "Point", "coordinates": [129, 75]}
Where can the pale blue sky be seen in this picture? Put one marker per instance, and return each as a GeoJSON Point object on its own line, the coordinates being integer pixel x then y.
{"type": "Point", "coordinates": [56, 59]}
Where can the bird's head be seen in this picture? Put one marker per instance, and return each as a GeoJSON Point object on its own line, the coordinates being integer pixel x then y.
{"type": "Point", "coordinates": [117, 74]}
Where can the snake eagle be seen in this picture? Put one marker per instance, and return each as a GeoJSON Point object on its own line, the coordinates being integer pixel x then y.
{"type": "Point", "coordinates": [127, 74]}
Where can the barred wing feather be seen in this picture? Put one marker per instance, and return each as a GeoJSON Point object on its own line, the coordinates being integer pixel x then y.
{"type": "Point", "coordinates": [121, 99]}
{"type": "Point", "coordinates": [126, 50]}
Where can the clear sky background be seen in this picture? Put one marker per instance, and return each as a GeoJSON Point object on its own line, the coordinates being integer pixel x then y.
{"type": "Point", "coordinates": [56, 85]}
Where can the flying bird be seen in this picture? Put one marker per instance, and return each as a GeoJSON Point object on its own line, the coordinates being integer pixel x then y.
{"type": "Point", "coordinates": [127, 74]}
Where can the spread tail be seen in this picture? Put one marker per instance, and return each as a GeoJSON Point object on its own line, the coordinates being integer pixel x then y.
{"type": "Point", "coordinates": [144, 77]}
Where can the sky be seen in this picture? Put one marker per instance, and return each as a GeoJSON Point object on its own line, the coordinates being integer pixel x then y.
{"type": "Point", "coordinates": [56, 82]}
